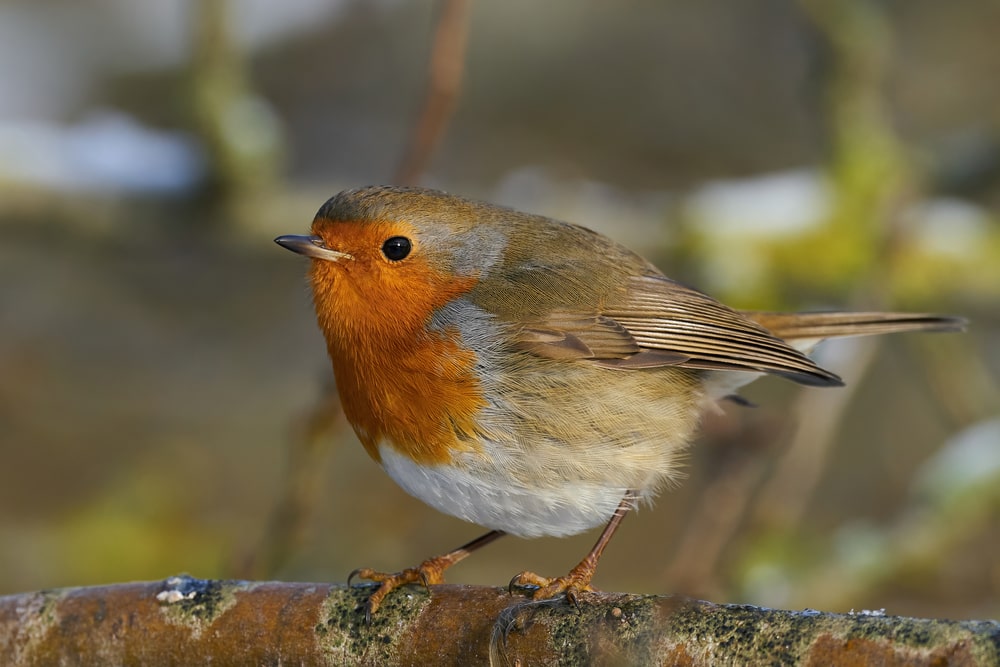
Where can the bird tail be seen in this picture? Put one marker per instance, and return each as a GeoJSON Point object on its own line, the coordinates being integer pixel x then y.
{"type": "Point", "coordinates": [804, 330]}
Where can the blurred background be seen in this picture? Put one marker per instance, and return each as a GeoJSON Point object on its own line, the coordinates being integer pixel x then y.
{"type": "Point", "coordinates": [165, 398]}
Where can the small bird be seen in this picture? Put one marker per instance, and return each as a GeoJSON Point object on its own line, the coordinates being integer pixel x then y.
{"type": "Point", "coordinates": [530, 375]}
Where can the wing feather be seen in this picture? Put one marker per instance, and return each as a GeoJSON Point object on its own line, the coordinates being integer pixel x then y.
{"type": "Point", "coordinates": [657, 322]}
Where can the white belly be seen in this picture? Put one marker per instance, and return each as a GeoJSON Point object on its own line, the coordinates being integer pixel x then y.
{"type": "Point", "coordinates": [515, 509]}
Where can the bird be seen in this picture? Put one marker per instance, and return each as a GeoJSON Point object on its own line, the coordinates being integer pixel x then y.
{"type": "Point", "coordinates": [530, 375]}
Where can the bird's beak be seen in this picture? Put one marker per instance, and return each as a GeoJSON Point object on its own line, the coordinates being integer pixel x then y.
{"type": "Point", "coordinates": [310, 246]}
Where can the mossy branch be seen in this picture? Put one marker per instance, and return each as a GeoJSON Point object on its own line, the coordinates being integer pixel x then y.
{"type": "Point", "coordinates": [192, 621]}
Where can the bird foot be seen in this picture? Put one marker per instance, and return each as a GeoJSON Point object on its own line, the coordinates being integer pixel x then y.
{"type": "Point", "coordinates": [571, 585]}
{"type": "Point", "coordinates": [430, 572]}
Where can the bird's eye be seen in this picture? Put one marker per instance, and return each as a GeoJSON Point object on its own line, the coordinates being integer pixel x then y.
{"type": "Point", "coordinates": [396, 248]}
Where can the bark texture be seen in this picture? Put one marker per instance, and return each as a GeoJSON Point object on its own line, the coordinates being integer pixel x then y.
{"type": "Point", "coordinates": [184, 621]}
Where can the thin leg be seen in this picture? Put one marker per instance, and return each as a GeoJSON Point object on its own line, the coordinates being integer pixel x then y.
{"type": "Point", "coordinates": [431, 571]}
{"type": "Point", "coordinates": [578, 579]}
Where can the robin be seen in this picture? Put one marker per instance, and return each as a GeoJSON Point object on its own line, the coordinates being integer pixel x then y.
{"type": "Point", "coordinates": [530, 375]}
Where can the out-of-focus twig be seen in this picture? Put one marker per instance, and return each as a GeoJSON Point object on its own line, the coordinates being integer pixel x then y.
{"type": "Point", "coordinates": [918, 545]}
{"type": "Point", "coordinates": [867, 157]}
{"type": "Point", "coordinates": [961, 382]}
{"type": "Point", "coordinates": [308, 448]}
{"type": "Point", "coordinates": [444, 81]}
{"type": "Point", "coordinates": [785, 497]}
{"type": "Point", "coordinates": [694, 568]}
{"type": "Point", "coordinates": [871, 181]}
{"type": "Point", "coordinates": [240, 132]}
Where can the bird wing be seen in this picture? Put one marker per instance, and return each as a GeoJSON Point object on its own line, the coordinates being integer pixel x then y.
{"type": "Point", "coordinates": [657, 322]}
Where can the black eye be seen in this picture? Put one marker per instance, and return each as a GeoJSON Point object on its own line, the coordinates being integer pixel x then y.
{"type": "Point", "coordinates": [396, 248]}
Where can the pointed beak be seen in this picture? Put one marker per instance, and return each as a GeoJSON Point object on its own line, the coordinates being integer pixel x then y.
{"type": "Point", "coordinates": [310, 246]}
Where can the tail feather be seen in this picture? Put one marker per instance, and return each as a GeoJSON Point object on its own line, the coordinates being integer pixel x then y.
{"type": "Point", "coordinates": [817, 326]}
{"type": "Point", "coordinates": [804, 331]}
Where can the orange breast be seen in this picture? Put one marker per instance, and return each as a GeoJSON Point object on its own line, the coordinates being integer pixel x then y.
{"type": "Point", "coordinates": [400, 383]}
{"type": "Point", "coordinates": [423, 405]}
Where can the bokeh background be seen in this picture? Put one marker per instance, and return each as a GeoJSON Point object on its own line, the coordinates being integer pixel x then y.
{"type": "Point", "coordinates": [165, 400]}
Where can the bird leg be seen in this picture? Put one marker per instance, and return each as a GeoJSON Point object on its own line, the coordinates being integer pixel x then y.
{"type": "Point", "coordinates": [578, 579]}
{"type": "Point", "coordinates": [431, 571]}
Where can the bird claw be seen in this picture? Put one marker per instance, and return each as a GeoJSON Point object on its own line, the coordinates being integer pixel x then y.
{"type": "Point", "coordinates": [362, 572]}
{"type": "Point", "coordinates": [545, 588]}
{"type": "Point", "coordinates": [427, 573]}
{"type": "Point", "coordinates": [527, 580]}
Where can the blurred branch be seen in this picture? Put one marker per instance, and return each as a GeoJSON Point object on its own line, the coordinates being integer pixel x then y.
{"type": "Point", "coordinates": [785, 497]}
{"type": "Point", "coordinates": [961, 382]}
{"type": "Point", "coordinates": [308, 448]}
{"type": "Point", "coordinates": [868, 166]}
{"type": "Point", "coordinates": [917, 546]}
{"type": "Point", "coordinates": [241, 133]}
{"type": "Point", "coordinates": [192, 621]}
{"type": "Point", "coordinates": [741, 443]}
{"type": "Point", "coordinates": [695, 565]}
{"type": "Point", "coordinates": [444, 81]}
{"type": "Point", "coordinates": [863, 140]}
{"type": "Point", "coordinates": [861, 246]}
{"type": "Point", "coordinates": [870, 180]}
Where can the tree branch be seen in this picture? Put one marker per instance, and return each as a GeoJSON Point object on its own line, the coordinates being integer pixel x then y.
{"type": "Point", "coordinates": [444, 81]}
{"type": "Point", "coordinates": [192, 621]}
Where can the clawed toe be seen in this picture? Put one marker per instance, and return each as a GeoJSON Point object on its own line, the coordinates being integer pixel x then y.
{"type": "Point", "coordinates": [431, 571]}
{"type": "Point", "coordinates": [545, 588]}
{"type": "Point", "coordinates": [425, 574]}
{"type": "Point", "coordinates": [527, 580]}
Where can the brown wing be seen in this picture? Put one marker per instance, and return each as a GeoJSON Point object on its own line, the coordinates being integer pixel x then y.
{"type": "Point", "coordinates": [562, 334]}
{"type": "Point", "coordinates": [565, 335]}
{"type": "Point", "coordinates": [658, 322]}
